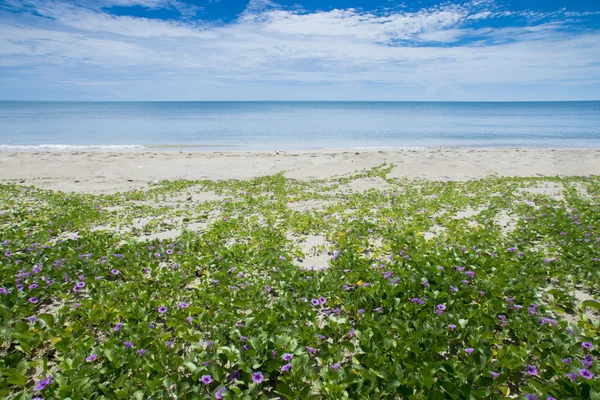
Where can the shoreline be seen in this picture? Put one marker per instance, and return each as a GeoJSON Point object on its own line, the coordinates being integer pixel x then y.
{"type": "Point", "coordinates": [109, 171]}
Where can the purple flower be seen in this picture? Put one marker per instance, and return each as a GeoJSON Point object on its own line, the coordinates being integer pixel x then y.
{"type": "Point", "coordinates": [361, 311]}
{"type": "Point", "coordinates": [33, 300]}
{"type": "Point", "coordinates": [416, 300]}
{"type": "Point", "coordinates": [586, 373]}
{"type": "Point", "coordinates": [287, 356]}
{"type": "Point", "coordinates": [140, 352]}
{"type": "Point", "coordinates": [128, 345]}
{"type": "Point", "coordinates": [453, 289]}
{"type": "Point", "coordinates": [170, 343]}
{"type": "Point", "coordinates": [378, 309]}
{"type": "Point", "coordinates": [470, 274]}
{"type": "Point", "coordinates": [41, 385]}
{"type": "Point", "coordinates": [206, 379]}
{"type": "Point", "coordinates": [335, 367]}
{"type": "Point", "coordinates": [322, 300]}
{"type": "Point", "coordinates": [469, 350]}
{"type": "Point", "coordinates": [441, 307]}
{"type": "Point", "coordinates": [32, 319]}
{"type": "Point", "coordinates": [572, 376]}
{"type": "Point", "coordinates": [33, 286]}
{"type": "Point", "coordinates": [286, 367]}
{"type": "Point", "coordinates": [588, 361]}
{"type": "Point", "coordinates": [162, 309]}
{"type": "Point", "coordinates": [314, 302]}
{"type": "Point", "coordinates": [267, 288]}
{"type": "Point", "coordinates": [425, 283]}
{"type": "Point", "coordinates": [587, 345]}
{"type": "Point", "coordinates": [114, 271]}
{"type": "Point", "coordinates": [243, 338]}
{"type": "Point", "coordinates": [566, 361]}
{"type": "Point", "coordinates": [91, 357]}
{"type": "Point", "coordinates": [310, 350]}
{"type": "Point", "coordinates": [257, 377]}
{"type": "Point", "coordinates": [219, 393]}
{"type": "Point", "coordinates": [452, 327]}
{"type": "Point", "coordinates": [234, 375]}
{"type": "Point", "coordinates": [495, 375]}
{"type": "Point", "coordinates": [532, 370]}
{"type": "Point", "coordinates": [183, 304]}
{"type": "Point", "coordinates": [530, 396]}
{"type": "Point", "coordinates": [3, 290]}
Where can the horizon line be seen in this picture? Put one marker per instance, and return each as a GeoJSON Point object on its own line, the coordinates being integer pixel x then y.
{"type": "Point", "coordinates": [298, 101]}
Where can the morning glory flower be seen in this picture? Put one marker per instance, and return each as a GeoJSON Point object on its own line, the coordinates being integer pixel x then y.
{"type": "Point", "coordinates": [206, 379]}
{"type": "Point", "coordinates": [286, 367]}
{"type": "Point", "coordinates": [530, 396]}
{"type": "Point", "coordinates": [162, 309]}
{"type": "Point", "coordinates": [41, 385]}
{"type": "Point", "coordinates": [452, 327]}
{"type": "Point", "coordinates": [33, 300]}
{"type": "Point", "coordinates": [91, 357]}
{"type": "Point", "coordinates": [170, 343]}
{"type": "Point", "coordinates": [114, 271]}
{"type": "Point", "coordinates": [469, 350]}
{"type": "Point", "coordinates": [314, 302]}
{"type": "Point", "coordinates": [587, 345]}
{"type": "Point", "coordinates": [572, 376]}
{"type": "Point", "coordinates": [532, 370]}
{"type": "Point", "coordinates": [335, 367]}
{"type": "Point", "coordinates": [586, 373]}
{"type": "Point", "coordinates": [287, 356]}
{"type": "Point", "coordinates": [441, 307]}
{"type": "Point", "coordinates": [219, 393]}
{"type": "Point", "coordinates": [183, 304]}
{"type": "Point", "coordinates": [322, 300]}
{"type": "Point", "coordinates": [495, 375]}
{"type": "Point", "coordinates": [257, 377]}
{"type": "Point", "coordinates": [128, 345]}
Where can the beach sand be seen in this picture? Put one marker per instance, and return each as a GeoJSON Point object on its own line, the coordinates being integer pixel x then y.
{"type": "Point", "coordinates": [104, 172]}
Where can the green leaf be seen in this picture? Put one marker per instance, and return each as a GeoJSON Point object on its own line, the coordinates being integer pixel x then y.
{"type": "Point", "coordinates": [17, 378]}
{"type": "Point", "coordinates": [139, 395]}
{"type": "Point", "coordinates": [591, 304]}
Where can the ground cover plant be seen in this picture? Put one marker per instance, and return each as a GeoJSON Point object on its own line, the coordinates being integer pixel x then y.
{"type": "Point", "coordinates": [354, 287]}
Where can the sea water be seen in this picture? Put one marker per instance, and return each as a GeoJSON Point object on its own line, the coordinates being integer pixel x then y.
{"type": "Point", "coordinates": [296, 125]}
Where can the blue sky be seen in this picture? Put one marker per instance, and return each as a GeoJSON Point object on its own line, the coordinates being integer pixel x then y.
{"type": "Point", "coordinates": [299, 50]}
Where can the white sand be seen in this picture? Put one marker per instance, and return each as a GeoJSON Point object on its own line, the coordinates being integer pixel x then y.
{"type": "Point", "coordinates": [101, 172]}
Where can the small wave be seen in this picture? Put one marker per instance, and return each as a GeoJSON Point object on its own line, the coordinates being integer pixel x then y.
{"type": "Point", "coordinates": [68, 147]}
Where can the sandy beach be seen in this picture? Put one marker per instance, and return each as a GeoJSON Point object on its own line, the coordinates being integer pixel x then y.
{"type": "Point", "coordinates": [99, 172]}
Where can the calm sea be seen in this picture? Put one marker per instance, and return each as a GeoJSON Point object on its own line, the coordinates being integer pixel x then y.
{"type": "Point", "coordinates": [296, 125]}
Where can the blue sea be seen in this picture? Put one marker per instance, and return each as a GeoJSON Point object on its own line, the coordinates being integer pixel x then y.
{"type": "Point", "coordinates": [296, 125]}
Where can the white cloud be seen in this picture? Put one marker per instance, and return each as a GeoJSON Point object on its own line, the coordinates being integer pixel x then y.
{"type": "Point", "coordinates": [85, 47]}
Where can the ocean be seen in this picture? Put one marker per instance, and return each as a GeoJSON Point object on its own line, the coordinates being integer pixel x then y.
{"type": "Point", "coordinates": [296, 125]}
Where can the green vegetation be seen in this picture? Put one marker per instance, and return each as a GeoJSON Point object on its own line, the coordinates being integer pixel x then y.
{"type": "Point", "coordinates": [430, 290]}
